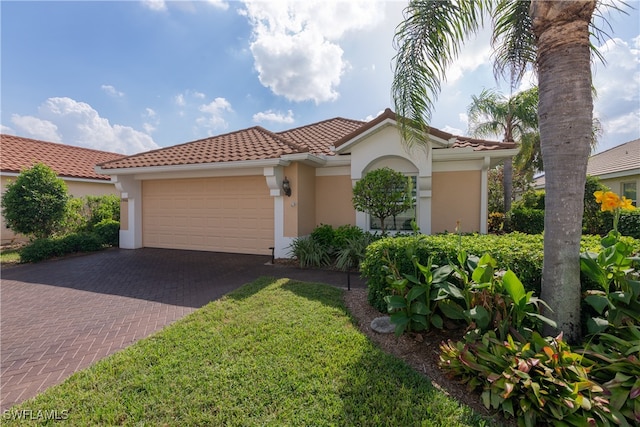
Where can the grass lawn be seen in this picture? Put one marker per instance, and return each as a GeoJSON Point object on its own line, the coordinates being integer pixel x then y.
{"type": "Point", "coordinates": [274, 352]}
{"type": "Point", "coordinates": [9, 256]}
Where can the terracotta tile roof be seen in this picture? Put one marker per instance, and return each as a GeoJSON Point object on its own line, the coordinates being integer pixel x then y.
{"type": "Point", "coordinates": [624, 157]}
{"type": "Point", "coordinates": [481, 145]}
{"type": "Point", "coordinates": [460, 141]}
{"type": "Point", "coordinates": [18, 153]}
{"type": "Point", "coordinates": [255, 143]}
{"type": "Point", "coordinates": [320, 137]}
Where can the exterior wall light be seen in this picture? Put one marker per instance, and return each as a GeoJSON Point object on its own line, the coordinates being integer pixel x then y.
{"type": "Point", "coordinates": [286, 187]}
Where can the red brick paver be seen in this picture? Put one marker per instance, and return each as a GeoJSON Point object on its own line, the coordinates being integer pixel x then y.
{"type": "Point", "coordinates": [58, 317]}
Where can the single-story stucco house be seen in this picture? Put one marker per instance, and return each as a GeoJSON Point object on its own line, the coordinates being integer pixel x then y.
{"type": "Point", "coordinates": [74, 165]}
{"type": "Point", "coordinates": [225, 193]}
{"type": "Point", "coordinates": [618, 168]}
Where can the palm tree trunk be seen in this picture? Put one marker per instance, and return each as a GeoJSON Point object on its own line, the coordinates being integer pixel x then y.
{"type": "Point", "coordinates": [507, 183]}
{"type": "Point", "coordinates": [565, 119]}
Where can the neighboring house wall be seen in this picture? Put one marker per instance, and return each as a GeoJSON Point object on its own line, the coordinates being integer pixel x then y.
{"type": "Point", "coordinates": [75, 187]}
{"type": "Point", "coordinates": [616, 184]}
{"type": "Point", "coordinates": [456, 201]}
{"type": "Point", "coordinates": [334, 195]}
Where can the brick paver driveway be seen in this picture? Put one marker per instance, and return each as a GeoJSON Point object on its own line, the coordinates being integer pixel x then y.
{"type": "Point", "coordinates": [57, 317]}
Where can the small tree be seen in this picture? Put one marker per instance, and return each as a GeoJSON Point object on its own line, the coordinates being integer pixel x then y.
{"type": "Point", "coordinates": [35, 202]}
{"type": "Point", "coordinates": [382, 193]}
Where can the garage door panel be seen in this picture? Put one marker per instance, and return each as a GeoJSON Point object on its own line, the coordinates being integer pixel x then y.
{"type": "Point", "coordinates": [230, 214]}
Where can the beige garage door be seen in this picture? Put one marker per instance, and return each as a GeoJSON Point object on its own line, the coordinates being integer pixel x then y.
{"type": "Point", "coordinates": [230, 214]}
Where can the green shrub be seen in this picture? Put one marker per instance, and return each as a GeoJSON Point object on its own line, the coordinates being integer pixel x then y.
{"type": "Point", "coordinates": [51, 247]}
{"type": "Point", "coordinates": [309, 252]}
{"type": "Point", "coordinates": [324, 235]}
{"type": "Point", "coordinates": [99, 208]}
{"type": "Point", "coordinates": [345, 233]}
{"type": "Point", "coordinates": [521, 253]}
{"type": "Point", "coordinates": [35, 203]}
{"type": "Point", "coordinates": [531, 199]}
{"type": "Point", "coordinates": [496, 222]}
{"type": "Point", "coordinates": [540, 382]}
{"type": "Point", "coordinates": [629, 223]}
{"type": "Point", "coordinates": [39, 250]}
{"type": "Point", "coordinates": [527, 220]}
{"type": "Point", "coordinates": [108, 232]}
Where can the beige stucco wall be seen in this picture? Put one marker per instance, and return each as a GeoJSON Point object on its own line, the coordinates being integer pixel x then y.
{"type": "Point", "coordinates": [300, 207]}
{"type": "Point", "coordinates": [333, 201]}
{"type": "Point", "coordinates": [75, 189]}
{"type": "Point", "coordinates": [456, 197]}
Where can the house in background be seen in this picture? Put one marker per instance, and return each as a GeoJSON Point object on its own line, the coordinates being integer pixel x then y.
{"type": "Point", "coordinates": [252, 190]}
{"type": "Point", "coordinates": [618, 168]}
{"type": "Point", "coordinates": [75, 165]}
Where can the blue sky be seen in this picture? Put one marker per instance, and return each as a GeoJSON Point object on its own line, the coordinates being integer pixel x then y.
{"type": "Point", "coordinates": [130, 76]}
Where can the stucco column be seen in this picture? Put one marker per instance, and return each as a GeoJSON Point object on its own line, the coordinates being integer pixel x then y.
{"type": "Point", "coordinates": [131, 192]}
{"type": "Point", "coordinates": [274, 176]}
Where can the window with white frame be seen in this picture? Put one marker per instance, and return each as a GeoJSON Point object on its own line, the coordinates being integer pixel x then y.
{"type": "Point", "coordinates": [630, 191]}
{"type": "Point", "coordinates": [400, 222]}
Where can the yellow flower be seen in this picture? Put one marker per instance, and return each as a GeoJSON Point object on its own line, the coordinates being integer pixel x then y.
{"type": "Point", "coordinates": [609, 201]}
{"type": "Point", "coordinates": [626, 203]}
{"type": "Point", "coordinates": [599, 195]}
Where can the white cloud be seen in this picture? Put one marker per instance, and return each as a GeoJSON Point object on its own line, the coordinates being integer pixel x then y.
{"type": "Point", "coordinates": [179, 99]}
{"type": "Point", "coordinates": [161, 5]}
{"type": "Point", "coordinates": [624, 124]}
{"type": "Point", "coordinates": [77, 123]}
{"type": "Point", "coordinates": [273, 116]}
{"type": "Point", "coordinates": [7, 130]}
{"type": "Point", "coordinates": [475, 53]}
{"type": "Point", "coordinates": [148, 127]}
{"type": "Point", "coordinates": [617, 83]}
{"type": "Point", "coordinates": [158, 5]}
{"type": "Point", "coordinates": [37, 128]}
{"type": "Point", "coordinates": [149, 112]}
{"type": "Point", "coordinates": [452, 130]}
{"type": "Point", "coordinates": [296, 44]}
{"type": "Point", "coordinates": [111, 91]}
{"type": "Point", "coordinates": [215, 120]}
{"type": "Point", "coordinates": [220, 4]}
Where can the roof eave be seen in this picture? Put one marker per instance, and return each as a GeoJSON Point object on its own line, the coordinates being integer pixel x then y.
{"type": "Point", "coordinates": [194, 167]}
{"type": "Point", "coordinates": [306, 158]}
{"type": "Point", "coordinates": [451, 154]}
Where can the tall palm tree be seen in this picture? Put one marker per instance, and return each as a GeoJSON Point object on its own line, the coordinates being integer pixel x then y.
{"type": "Point", "coordinates": [492, 113]}
{"type": "Point", "coordinates": [553, 38]}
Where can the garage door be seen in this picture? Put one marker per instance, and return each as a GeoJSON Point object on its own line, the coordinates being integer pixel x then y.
{"type": "Point", "coordinates": [230, 214]}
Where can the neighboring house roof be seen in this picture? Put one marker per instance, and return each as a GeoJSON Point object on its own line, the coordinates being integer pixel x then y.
{"type": "Point", "coordinates": [617, 160]}
{"type": "Point", "coordinates": [257, 143]}
{"type": "Point", "coordinates": [18, 153]}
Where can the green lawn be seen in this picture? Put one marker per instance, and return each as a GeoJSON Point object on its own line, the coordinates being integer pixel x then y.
{"type": "Point", "coordinates": [277, 353]}
{"type": "Point", "coordinates": [9, 256]}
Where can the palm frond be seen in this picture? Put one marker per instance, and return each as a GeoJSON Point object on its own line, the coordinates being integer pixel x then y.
{"type": "Point", "coordinates": [513, 41]}
{"type": "Point", "coordinates": [427, 42]}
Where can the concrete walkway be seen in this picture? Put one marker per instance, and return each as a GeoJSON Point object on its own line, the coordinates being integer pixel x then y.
{"type": "Point", "coordinates": [57, 317]}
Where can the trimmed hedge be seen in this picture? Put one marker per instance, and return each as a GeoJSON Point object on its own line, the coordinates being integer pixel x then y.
{"type": "Point", "coordinates": [522, 253]}
{"type": "Point", "coordinates": [527, 220]}
{"type": "Point", "coordinates": [51, 247]}
{"type": "Point", "coordinates": [629, 223]}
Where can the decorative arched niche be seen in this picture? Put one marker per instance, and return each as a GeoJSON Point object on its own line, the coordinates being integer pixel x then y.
{"type": "Point", "coordinates": [401, 222]}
